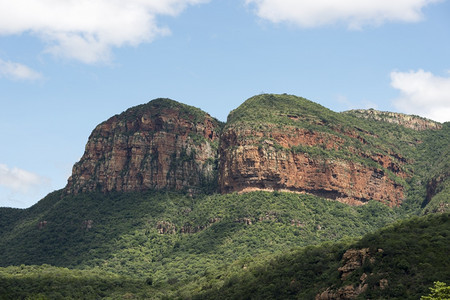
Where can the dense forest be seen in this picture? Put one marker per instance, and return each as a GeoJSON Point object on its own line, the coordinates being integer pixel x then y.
{"type": "Point", "coordinates": [403, 261]}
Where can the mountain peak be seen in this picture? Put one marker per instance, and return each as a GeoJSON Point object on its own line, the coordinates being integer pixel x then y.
{"type": "Point", "coordinates": [271, 142]}
{"type": "Point", "coordinates": [163, 144]}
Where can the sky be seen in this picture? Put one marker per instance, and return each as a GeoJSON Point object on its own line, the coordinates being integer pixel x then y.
{"type": "Point", "coordinates": [66, 66]}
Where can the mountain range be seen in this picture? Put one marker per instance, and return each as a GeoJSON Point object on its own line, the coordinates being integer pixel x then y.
{"type": "Point", "coordinates": [287, 199]}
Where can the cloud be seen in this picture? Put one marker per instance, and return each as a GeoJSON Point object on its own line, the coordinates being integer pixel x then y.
{"type": "Point", "coordinates": [86, 30]}
{"type": "Point", "coordinates": [21, 181]}
{"type": "Point", "coordinates": [422, 93]}
{"type": "Point", "coordinates": [17, 71]}
{"type": "Point", "coordinates": [354, 13]}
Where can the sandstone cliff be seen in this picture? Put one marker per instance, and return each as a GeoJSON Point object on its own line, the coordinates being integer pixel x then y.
{"type": "Point", "coordinates": [160, 145]}
{"type": "Point", "coordinates": [281, 142]}
{"type": "Point", "coordinates": [270, 142]}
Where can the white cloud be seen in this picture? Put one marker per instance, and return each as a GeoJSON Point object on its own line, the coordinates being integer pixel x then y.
{"type": "Point", "coordinates": [354, 13]}
{"type": "Point", "coordinates": [17, 71]}
{"type": "Point", "coordinates": [86, 30]}
{"type": "Point", "coordinates": [423, 93]}
{"type": "Point", "coordinates": [21, 181]}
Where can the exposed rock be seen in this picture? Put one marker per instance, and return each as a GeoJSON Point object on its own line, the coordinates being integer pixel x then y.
{"type": "Point", "coordinates": [352, 260]}
{"type": "Point", "coordinates": [346, 292]}
{"type": "Point", "coordinates": [408, 121]}
{"type": "Point", "coordinates": [159, 145]}
{"type": "Point", "coordinates": [246, 221]}
{"type": "Point", "coordinates": [168, 145]}
{"type": "Point", "coordinates": [87, 225]}
{"type": "Point", "coordinates": [383, 283]}
{"type": "Point", "coordinates": [247, 165]}
{"type": "Point", "coordinates": [297, 223]}
{"type": "Point", "coordinates": [435, 185]}
{"type": "Point", "coordinates": [269, 216]}
{"type": "Point", "coordinates": [42, 224]}
{"type": "Point", "coordinates": [165, 227]}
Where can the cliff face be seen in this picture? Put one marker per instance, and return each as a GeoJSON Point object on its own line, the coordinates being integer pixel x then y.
{"type": "Point", "coordinates": [408, 121]}
{"type": "Point", "coordinates": [247, 167]}
{"type": "Point", "coordinates": [270, 142]}
{"type": "Point", "coordinates": [159, 145]}
{"type": "Point", "coordinates": [308, 153]}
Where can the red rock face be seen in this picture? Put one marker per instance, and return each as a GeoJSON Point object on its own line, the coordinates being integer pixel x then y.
{"type": "Point", "coordinates": [154, 146]}
{"type": "Point", "coordinates": [266, 160]}
{"type": "Point", "coordinates": [168, 145]}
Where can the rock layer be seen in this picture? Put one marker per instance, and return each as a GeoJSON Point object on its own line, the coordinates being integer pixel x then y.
{"type": "Point", "coordinates": [258, 154]}
{"type": "Point", "coordinates": [159, 145]}
{"type": "Point", "coordinates": [245, 166]}
{"type": "Point", "coordinates": [271, 142]}
{"type": "Point", "coordinates": [408, 121]}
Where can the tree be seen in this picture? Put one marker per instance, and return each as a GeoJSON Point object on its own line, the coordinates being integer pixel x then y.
{"type": "Point", "coordinates": [439, 291]}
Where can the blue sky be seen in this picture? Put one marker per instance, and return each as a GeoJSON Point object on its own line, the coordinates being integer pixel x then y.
{"type": "Point", "coordinates": [66, 66]}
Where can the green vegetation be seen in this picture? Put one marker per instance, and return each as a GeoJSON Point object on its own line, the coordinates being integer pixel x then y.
{"type": "Point", "coordinates": [47, 282]}
{"type": "Point", "coordinates": [409, 256]}
{"type": "Point", "coordinates": [204, 230]}
{"type": "Point", "coordinates": [439, 291]}
{"type": "Point", "coordinates": [282, 110]}
{"type": "Point", "coordinates": [259, 245]}
{"type": "Point", "coordinates": [423, 157]}
{"type": "Point", "coordinates": [156, 107]}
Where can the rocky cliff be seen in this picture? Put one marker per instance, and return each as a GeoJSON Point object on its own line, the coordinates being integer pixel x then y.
{"type": "Point", "coordinates": [408, 121]}
{"type": "Point", "coordinates": [159, 145]}
{"type": "Point", "coordinates": [270, 142]}
{"type": "Point", "coordinates": [287, 143]}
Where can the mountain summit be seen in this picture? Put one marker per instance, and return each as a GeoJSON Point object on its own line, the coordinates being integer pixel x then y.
{"type": "Point", "coordinates": [169, 203]}
{"type": "Point", "coordinates": [283, 142]}
{"type": "Point", "coordinates": [159, 145]}
{"type": "Point", "coordinates": [270, 143]}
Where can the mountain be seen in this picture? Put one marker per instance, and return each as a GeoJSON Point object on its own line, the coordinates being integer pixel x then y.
{"type": "Point", "coordinates": [169, 202]}
{"type": "Point", "coordinates": [159, 145]}
{"type": "Point", "coordinates": [270, 142]}
{"type": "Point", "coordinates": [283, 142]}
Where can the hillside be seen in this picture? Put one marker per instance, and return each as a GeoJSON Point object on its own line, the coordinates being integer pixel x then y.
{"type": "Point", "coordinates": [270, 142]}
{"type": "Point", "coordinates": [166, 201]}
{"type": "Point", "coordinates": [400, 261]}
{"type": "Point", "coordinates": [283, 142]}
{"type": "Point", "coordinates": [173, 235]}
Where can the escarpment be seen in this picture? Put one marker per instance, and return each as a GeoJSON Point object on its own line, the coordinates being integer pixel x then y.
{"type": "Point", "coordinates": [408, 121]}
{"type": "Point", "coordinates": [160, 145]}
{"type": "Point", "coordinates": [270, 142]}
{"type": "Point", "coordinates": [286, 143]}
